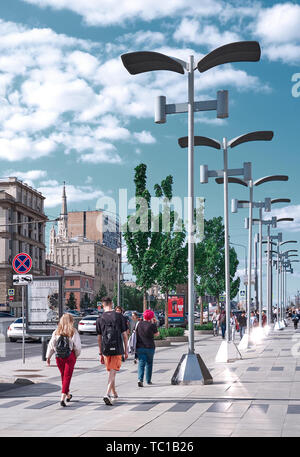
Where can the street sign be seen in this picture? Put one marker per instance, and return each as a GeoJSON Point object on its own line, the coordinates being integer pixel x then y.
{"type": "Point", "coordinates": [21, 280]}
{"type": "Point", "coordinates": [242, 293]}
{"type": "Point", "coordinates": [22, 263]}
{"type": "Point", "coordinates": [11, 292]}
{"type": "Point", "coordinates": [222, 297]}
{"type": "Point", "coordinates": [11, 297]}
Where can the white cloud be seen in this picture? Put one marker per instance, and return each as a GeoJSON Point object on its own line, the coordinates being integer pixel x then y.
{"type": "Point", "coordinates": [279, 24]}
{"type": "Point", "coordinates": [292, 211]}
{"type": "Point", "coordinates": [144, 137]}
{"type": "Point", "coordinates": [75, 194]}
{"type": "Point", "coordinates": [192, 31]}
{"type": "Point", "coordinates": [106, 12]}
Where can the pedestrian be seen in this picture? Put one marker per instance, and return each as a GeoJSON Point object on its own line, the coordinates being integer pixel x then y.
{"type": "Point", "coordinates": [242, 320]}
{"type": "Point", "coordinates": [65, 342]}
{"type": "Point", "coordinates": [253, 320]}
{"type": "Point", "coordinates": [112, 341]}
{"type": "Point", "coordinates": [222, 323]}
{"type": "Point", "coordinates": [135, 320]}
{"type": "Point", "coordinates": [295, 319]}
{"type": "Point", "coordinates": [120, 310]}
{"type": "Point", "coordinates": [263, 319]}
{"type": "Point", "coordinates": [233, 325]}
{"type": "Point", "coordinates": [145, 346]}
{"type": "Point", "coordinates": [215, 320]}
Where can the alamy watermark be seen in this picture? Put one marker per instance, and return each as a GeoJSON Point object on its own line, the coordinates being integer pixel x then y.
{"type": "Point", "coordinates": [296, 86]}
{"type": "Point", "coordinates": [159, 214]}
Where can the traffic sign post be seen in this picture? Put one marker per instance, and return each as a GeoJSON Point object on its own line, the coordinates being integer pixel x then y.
{"type": "Point", "coordinates": [22, 264]}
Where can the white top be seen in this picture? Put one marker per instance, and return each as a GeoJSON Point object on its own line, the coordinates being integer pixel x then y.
{"type": "Point", "coordinates": [74, 343]}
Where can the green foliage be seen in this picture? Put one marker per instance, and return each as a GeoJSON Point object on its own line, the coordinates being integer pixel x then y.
{"type": "Point", "coordinates": [208, 326]}
{"type": "Point", "coordinates": [210, 261]}
{"type": "Point", "coordinates": [171, 331]}
{"type": "Point", "coordinates": [71, 303]}
{"type": "Point", "coordinates": [131, 298]}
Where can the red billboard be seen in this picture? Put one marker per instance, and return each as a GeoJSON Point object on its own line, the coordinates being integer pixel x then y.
{"type": "Point", "coordinates": [176, 309]}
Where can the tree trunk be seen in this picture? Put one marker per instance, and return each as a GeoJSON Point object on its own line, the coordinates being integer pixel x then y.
{"type": "Point", "coordinates": [218, 304]}
{"type": "Point", "coordinates": [201, 310]}
{"type": "Point", "coordinates": [166, 310]}
{"type": "Point", "coordinates": [145, 301]}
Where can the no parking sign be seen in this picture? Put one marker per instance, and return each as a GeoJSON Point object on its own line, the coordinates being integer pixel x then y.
{"type": "Point", "coordinates": [22, 263]}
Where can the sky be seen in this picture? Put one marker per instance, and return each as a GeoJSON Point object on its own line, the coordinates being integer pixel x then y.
{"type": "Point", "coordinates": [70, 111]}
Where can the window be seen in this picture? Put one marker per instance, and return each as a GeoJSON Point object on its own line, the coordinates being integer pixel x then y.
{"type": "Point", "coordinates": [71, 282]}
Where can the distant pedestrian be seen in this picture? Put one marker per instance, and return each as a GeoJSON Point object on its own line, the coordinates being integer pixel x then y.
{"type": "Point", "coordinates": [65, 342]}
{"type": "Point", "coordinates": [263, 319]}
{"type": "Point", "coordinates": [215, 321]}
{"type": "Point", "coordinates": [120, 310]}
{"type": "Point", "coordinates": [222, 322]}
{"type": "Point", "coordinates": [295, 319]}
{"type": "Point", "coordinates": [233, 326]}
{"type": "Point", "coordinates": [145, 346]}
{"type": "Point", "coordinates": [135, 322]}
{"type": "Point", "coordinates": [112, 341]}
{"type": "Point", "coordinates": [242, 320]}
{"type": "Point", "coordinates": [253, 320]}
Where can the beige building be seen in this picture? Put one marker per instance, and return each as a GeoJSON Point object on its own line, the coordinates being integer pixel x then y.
{"type": "Point", "coordinates": [74, 250]}
{"type": "Point", "coordinates": [20, 205]}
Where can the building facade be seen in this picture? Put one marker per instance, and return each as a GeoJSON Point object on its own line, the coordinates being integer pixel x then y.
{"type": "Point", "coordinates": [20, 207]}
{"type": "Point", "coordinates": [72, 248]}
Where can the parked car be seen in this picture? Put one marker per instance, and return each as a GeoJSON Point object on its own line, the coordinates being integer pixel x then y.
{"type": "Point", "coordinates": [5, 314]}
{"type": "Point", "coordinates": [87, 324]}
{"type": "Point", "coordinates": [15, 331]}
{"type": "Point", "coordinates": [73, 312]}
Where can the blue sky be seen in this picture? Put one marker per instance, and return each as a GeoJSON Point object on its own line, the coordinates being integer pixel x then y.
{"type": "Point", "coordinates": [70, 112]}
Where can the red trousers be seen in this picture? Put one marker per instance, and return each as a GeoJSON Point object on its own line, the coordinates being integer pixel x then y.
{"type": "Point", "coordinates": [66, 367]}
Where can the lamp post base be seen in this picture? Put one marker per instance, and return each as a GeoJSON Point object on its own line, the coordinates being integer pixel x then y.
{"type": "Point", "coordinates": [191, 370]}
{"type": "Point", "coordinates": [228, 352]}
{"type": "Point", "coordinates": [279, 326]}
{"type": "Point", "coordinates": [245, 343]}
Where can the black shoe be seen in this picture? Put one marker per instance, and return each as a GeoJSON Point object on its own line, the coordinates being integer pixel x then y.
{"type": "Point", "coordinates": [62, 403]}
{"type": "Point", "coordinates": [140, 384]}
{"type": "Point", "coordinates": [107, 400]}
{"type": "Point", "coordinates": [150, 383]}
{"type": "Point", "coordinates": [69, 399]}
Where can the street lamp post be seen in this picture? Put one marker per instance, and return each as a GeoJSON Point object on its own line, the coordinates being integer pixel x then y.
{"type": "Point", "coordinates": [228, 352]}
{"type": "Point", "coordinates": [250, 204]}
{"type": "Point", "coordinates": [191, 368]}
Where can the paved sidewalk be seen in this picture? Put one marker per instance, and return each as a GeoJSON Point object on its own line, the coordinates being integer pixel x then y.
{"type": "Point", "coordinates": [256, 396]}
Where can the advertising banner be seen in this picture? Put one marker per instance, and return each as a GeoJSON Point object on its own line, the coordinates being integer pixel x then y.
{"type": "Point", "coordinates": [176, 309]}
{"type": "Point", "coordinates": [44, 305]}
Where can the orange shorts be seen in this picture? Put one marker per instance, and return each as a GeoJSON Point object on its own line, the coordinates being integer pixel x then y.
{"type": "Point", "coordinates": [113, 362]}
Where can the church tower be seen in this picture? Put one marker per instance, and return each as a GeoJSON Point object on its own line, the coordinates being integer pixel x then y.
{"type": "Point", "coordinates": [63, 219]}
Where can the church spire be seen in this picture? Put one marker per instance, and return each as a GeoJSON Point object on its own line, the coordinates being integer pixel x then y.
{"type": "Point", "coordinates": [63, 220]}
{"type": "Point", "coordinates": [64, 211]}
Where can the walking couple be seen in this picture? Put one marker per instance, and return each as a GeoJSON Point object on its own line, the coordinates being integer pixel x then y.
{"type": "Point", "coordinates": [113, 344]}
{"type": "Point", "coordinates": [112, 331]}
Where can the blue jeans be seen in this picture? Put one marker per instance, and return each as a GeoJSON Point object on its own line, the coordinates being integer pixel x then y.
{"type": "Point", "coordinates": [145, 357]}
{"type": "Point", "coordinates": [223, 329]}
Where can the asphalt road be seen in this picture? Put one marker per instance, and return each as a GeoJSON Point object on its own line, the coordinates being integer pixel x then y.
{"type": "Point", "coordinates": [33, 348]}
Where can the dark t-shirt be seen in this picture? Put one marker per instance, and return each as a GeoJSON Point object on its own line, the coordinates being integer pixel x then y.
{"type": "Point", "coordinates": [145, 335]}
{"type": "Point", "coordinates": [120, 323]}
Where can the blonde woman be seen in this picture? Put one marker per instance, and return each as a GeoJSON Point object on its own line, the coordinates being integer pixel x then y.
{"type": "Point", "coordinates": [65, 343]}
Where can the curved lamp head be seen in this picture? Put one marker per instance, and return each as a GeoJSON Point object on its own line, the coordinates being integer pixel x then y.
{"type": "Point", "coordinates": [261, 135]}
{"type": "Point", "coordinates": [143, 61]}
{"type": "Point", "coordinates": [289, 241]}
{"type": "Point", "coordinates": [285, 219]}
{"type": "Point", "coordinates": [200, 141]}
{"type": "Point", "coordinates": [232, 180]}
{"type": "Point", "coordinates": [280, 200]}
{"type": "Point", "coordinates": [240, 51]}
{"type": "Point", "coordinates": [260, 181]}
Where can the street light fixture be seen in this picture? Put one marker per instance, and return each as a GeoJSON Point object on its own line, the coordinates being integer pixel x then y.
{"type": "Point", "coordinates": [191, 367]}
{"type": "Point", "coordinates": [242, 204]}
{"type": "Point", "coordinates": [227, 352]}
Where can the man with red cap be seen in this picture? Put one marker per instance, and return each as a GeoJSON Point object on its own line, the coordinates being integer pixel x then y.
{"type": "Point", "coordinates": [145, 347]}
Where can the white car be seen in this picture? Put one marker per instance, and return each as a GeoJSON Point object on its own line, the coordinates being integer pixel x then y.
{"type": "Point", "coordinates": [87, 324]}
{"type": "Point", "coordinates": [15, 331]}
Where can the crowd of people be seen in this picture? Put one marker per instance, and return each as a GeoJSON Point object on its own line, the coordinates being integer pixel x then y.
{"type": "Point", "coordinates": [117, 337]}
{"type": "Point", "coordinates": [238, 323]}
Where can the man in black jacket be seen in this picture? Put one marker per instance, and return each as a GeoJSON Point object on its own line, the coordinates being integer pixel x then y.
{"type": "Point", "coordinates": [242, 320]}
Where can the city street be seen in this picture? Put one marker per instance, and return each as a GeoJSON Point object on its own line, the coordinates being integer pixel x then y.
{"type": "Point", "coordinates": [256, 396]}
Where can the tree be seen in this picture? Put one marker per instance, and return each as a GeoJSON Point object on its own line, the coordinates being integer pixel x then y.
{"type": "Point", "coordinates": [172, 255]}
{"type": "Point", "coordinates": [210, 261]}
{"type": "Point", "coordinates": [141, 242]}
{"type": "Point", "coordinates": [131, 297]}
{"type": "Point", "coordinates": [100, 295]}
{"type": "Point", "coordinates": [71, 303]}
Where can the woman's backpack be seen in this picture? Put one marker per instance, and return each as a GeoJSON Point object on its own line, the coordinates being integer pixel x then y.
{"type": "Point", "coordinates": [62, 347]}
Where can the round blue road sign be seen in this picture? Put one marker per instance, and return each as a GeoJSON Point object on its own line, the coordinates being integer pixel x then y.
{"type": "Point", "coordinates": [22, 263]}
